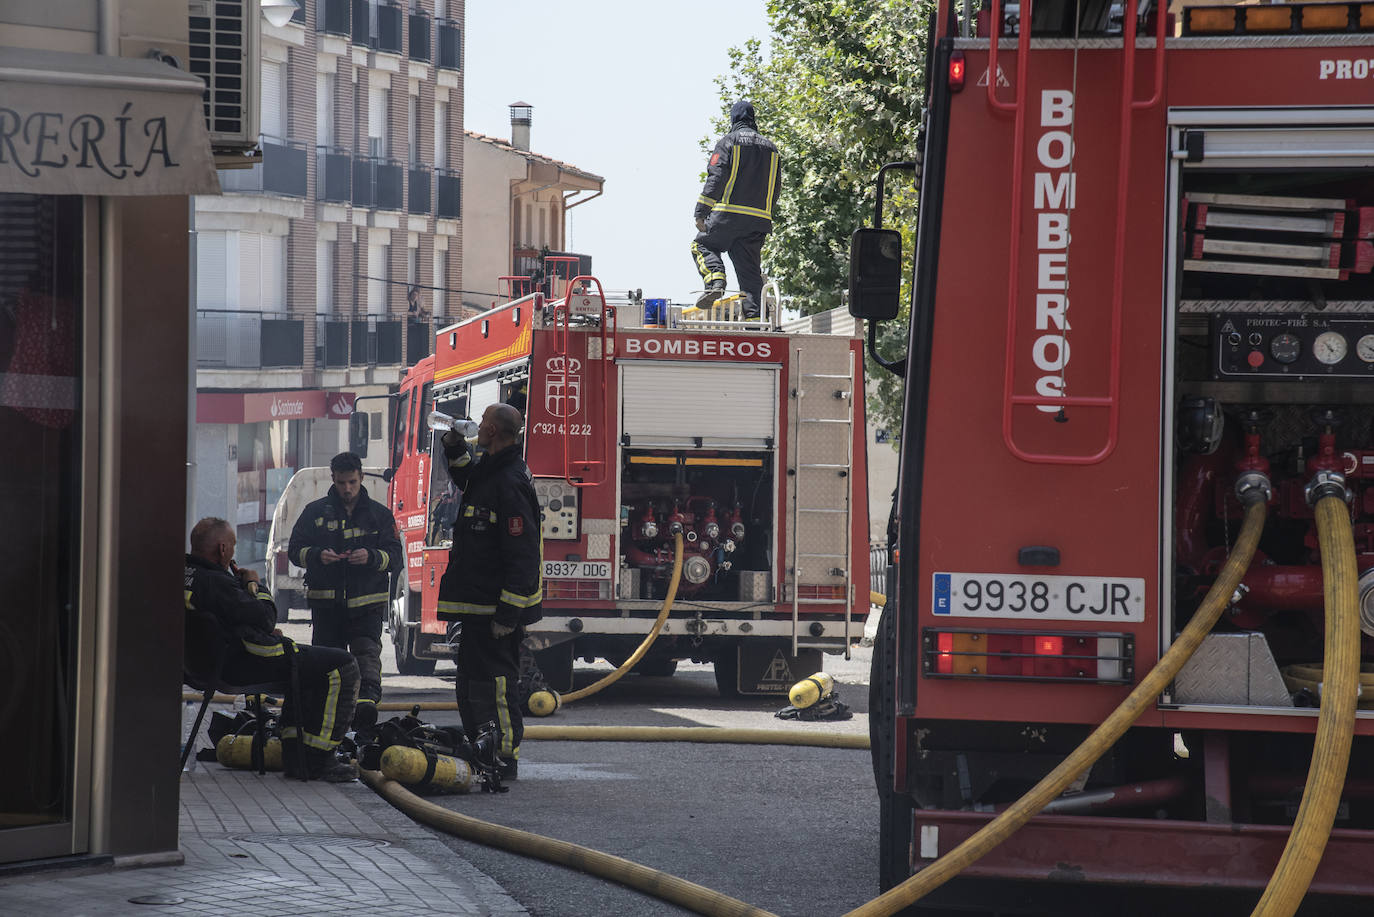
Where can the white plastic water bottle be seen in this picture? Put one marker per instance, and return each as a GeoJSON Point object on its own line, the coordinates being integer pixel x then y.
{"type": "Point", "coordinates": [438, 420]}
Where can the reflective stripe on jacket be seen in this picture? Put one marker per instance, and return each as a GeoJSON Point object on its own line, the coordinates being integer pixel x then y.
{"type": "Point", "coordinates": [742, 180]}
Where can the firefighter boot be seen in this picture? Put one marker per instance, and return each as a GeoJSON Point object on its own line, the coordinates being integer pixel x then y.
{"type": "Point", "coordinates": [319, 764]}
{"type": "Point", "coordinates": [508, 768]}
{"type": "Point", "coordinates": [714, 289]}
{"type": "Point", "coordinates": [365, 717]}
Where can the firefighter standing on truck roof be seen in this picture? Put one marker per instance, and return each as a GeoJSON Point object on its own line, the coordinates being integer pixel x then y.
{"type": "Point", "coordinates": [348, 544]}
{"type": "Point", "coordinates": [494, 580]}
{"type": "Point", "coordinates": [735, 210]}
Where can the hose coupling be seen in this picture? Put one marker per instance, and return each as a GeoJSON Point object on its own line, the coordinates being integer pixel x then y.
{"type": "Point", "coordinates": [1253, 487]}
{"type": "Point", "coordinates": [1326, 484]}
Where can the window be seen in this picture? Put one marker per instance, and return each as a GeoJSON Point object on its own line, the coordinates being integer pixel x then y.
{"type": "Point", "coordinates": [272, 118]}
{"type": "Point", "coordinates": [376, 122]}
{"type": "Point", "coordinates": [212, 270]}
{"type": "Point", "coordinates": [324, 109]}
{"type": "Point", "coordinates": [440, 278]}
{"type": "Point", "coordinates": [413, 135]}
{"type": "Point", "coordinates": [402, 429]}
{"type": "Point", "coordinates": [324, 276]}
{"type": "Point", "coordinates": [261, 272]}
{"type": "Point", "coordinates": [441, 135]}
{"type": "Point", "coordinates": [378, 273]}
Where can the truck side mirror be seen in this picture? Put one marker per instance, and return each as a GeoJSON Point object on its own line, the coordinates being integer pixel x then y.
{"type": "Point", "coordinates": [875, 273]}
{"type": "Point", "coordinates": [358, 433]}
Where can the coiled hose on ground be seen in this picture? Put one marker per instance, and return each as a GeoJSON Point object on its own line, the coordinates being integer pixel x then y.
{"type": "Point", "coordinates": [1102, 738]}
{"type": "Point", "coordinates": [1335, 723]}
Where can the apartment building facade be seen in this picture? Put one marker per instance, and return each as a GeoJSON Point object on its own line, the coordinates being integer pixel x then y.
{"type": "Point", "coordinates": [320, 268]}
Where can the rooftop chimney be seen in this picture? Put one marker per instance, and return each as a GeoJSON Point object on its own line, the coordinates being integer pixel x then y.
{"type": "Point", "coordinates": [520, 115]}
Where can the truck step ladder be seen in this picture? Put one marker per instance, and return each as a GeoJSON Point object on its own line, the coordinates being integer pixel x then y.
{"type": "Point", "coordinates": [821, 402]}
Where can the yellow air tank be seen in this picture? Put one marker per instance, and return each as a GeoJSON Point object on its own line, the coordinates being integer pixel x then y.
{"type": "Point", "coordinates": [545, 703]}
{"type": "Point", "coordinates": [236, 751]}
{"type": "Point", "coordinates": [809, 690]}
{"type": "Point", "coordinates": [426, 770]}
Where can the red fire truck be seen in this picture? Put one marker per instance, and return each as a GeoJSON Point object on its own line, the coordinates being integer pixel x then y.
{"type": "Point", "coordinates": [748, 441]}
{"type": "Point", "coordinates": [1139, 275]}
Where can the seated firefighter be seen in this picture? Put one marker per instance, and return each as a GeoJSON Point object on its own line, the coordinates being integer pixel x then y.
{"type": "Point", "coordinates": [256, 654]}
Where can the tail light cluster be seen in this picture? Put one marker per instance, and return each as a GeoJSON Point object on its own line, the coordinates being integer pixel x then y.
{"type": "Point", "coordinates": [1021, 656]}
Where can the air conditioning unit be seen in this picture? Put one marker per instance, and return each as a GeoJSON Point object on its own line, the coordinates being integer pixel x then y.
{"type": "Point", "coordinates": [225, 54]}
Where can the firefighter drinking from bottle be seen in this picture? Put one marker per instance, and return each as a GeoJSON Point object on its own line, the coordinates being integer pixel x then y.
{"type": "Point", "coordinates": [493, 584]}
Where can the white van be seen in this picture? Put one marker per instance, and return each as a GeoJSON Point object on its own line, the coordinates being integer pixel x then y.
{"type": "Point", "coordinates": [285, 580]}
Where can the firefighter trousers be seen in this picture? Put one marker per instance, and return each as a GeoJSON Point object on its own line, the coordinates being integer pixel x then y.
{"type": "Point", "coordinates": [744, 250]}
{"type": "Point", "coordinates": [488, 676]}
{"type": "Point", "coordinates": [328, 680]}
{"type": "Point", "coordinates": [358, 630]}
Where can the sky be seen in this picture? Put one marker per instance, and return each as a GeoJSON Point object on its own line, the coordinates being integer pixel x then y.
{"type": "Point", "coordinates": [624, 89]}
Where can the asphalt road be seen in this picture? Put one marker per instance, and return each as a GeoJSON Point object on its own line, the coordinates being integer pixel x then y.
{"type": "Point", "coordinates": [792, 830]}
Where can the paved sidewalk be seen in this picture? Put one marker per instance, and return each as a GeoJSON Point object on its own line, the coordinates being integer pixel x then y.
{"type": "Point", "coordinates": [266, 846]}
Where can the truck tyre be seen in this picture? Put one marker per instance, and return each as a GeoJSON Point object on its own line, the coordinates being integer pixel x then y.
{"type": "Point", "coordinates": [662, 667]}
{"type": "Point", "coordinates": [403, 637]}
{"type": "Point", "coordinates": [556, 665]}
{"type": "Point", "coordinates": [726, 665]}
{"type": "Point", "coordinates": [894, 809]}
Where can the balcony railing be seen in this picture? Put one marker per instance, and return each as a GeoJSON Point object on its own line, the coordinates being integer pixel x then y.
{"type": "Point", "coordinates": [361, 34]}
{"type": "Point", "coordinates": [282, 171]}
{"type": "Point", "coordinates": [419, 339]}
{"type": "Point", "coordinates": [333, 175]}
{"type": "Point", "coordinates": [388, 37]}
{"type": "Point", "coordinates": [450, 197]}
{"type": "Point", "coordinates": [362, 182]}
{"type": "Point", "coordinates": [450, 45]}
{"type": "Point", "coordinates": [331, 343]}
{"type": "Point", "coordinates": [419, 37]}
{"type": "Point", "coordinates": [231, 339]}
{"type": "Point", "coordinates": [421, 194]}
{"type": "Point", "coordinates": [333, 17]}
{"type": "Point", "coordinates": [389, 185]}
{"type": "Point", "coordinates": [376, 341]}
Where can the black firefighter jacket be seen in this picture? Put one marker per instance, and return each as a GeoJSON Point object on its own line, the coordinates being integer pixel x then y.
{"type": "Point", "coordinates": [325, 524]}
{"type": "Point", "coordinates": [247, 621]}
{"type": "Point", "coordinates": [742, 183]}
{"type": "Point", "coordinates": [496, 564]}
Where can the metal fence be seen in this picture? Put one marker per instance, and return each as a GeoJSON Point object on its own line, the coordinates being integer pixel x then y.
{"type": "Point", "coordinates": [877, 566]}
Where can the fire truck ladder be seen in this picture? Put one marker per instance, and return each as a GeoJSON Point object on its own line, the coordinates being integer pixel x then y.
{"type": "Point", "coordinates": [822, 401]}
{"type": "Point", "coordinates": [1112, 400]}
{"type": "Point", "coordinates": [582, 304]}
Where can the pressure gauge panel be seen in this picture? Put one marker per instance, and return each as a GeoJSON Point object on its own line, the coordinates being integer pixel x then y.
{"type": "Point", "coordinates": [1299, 347]}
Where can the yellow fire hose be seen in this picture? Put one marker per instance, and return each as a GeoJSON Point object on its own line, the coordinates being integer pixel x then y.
{"type": "Point", "coordinates": [1335, 723]}
{"type": "Point", "coordinates": [661, 885]}
{"type": "Point", "coordinates": [1102, 738]}
{"type": "Point", "coordinates": [545, 703]}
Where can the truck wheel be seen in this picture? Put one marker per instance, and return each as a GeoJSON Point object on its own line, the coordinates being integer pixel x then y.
{"type": "Point", "coordinates": [556, 665]}
{"type": "Point", "coordinates": [661, 667]}
{"type": "Point", "coordinates": [894, 809]}
{"type": "Point", "coordinates": [726, 665]}
{"type": "Point", "coordinates": [403, 639]}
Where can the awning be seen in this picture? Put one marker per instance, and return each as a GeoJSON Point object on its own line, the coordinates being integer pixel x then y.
{"type": "Point", "coordinates": [101, 125]}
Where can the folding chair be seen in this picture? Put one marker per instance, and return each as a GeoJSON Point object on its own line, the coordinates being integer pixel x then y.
{"type": "Point", "coordinates": [204, 653]}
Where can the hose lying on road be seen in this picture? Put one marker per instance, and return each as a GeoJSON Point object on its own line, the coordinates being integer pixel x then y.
{"type": "Point", "coordinates": [1102, 738]}
{"type": "Point", "coordinates": [660, 885]}
{"type": "Point", "coordinates": [704, 734]}
{"type": "Point", "coordinates": [1335, 723]}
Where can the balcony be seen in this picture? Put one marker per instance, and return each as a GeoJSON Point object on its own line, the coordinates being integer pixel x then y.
{"type": "Point", "coordinates": [421, 194]}
{"type": "Point", "coordinates": [230, 339]}
{"type": "Point", "coordinates": [450, 45]}
{"type": "Point", "coordinates": [388, 37]}
{"type": "Point", "coordinates": [333, 175]}
{"type": "Point", "coordinates": [362, 182]}
{"type": "Point", "coordinates": [331, 344]}
{"type": "Point", "coordinates": [361, 18]}
{"type": "Point", "coordinates": [282, 171]}
{"type": "Point", "coordinates": [376, 341]}
{"type": "Point", "coordinates": [419, 339]}
{"type": "Point", "coordinates": [419, 37]}
{"type": "Point", "coordinates": [378, 183]}
{"type": "Point", "coordinates": [450, 196]}
{"type": "Point", "coordinates": [333, 17]}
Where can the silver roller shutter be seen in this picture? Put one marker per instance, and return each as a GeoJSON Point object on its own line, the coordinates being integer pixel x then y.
{"type": "Point", "coordinates": [673, 405]}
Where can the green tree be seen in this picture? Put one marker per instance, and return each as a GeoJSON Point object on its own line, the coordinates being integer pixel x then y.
{"type": "Point", "coordinates": [841, 93]}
